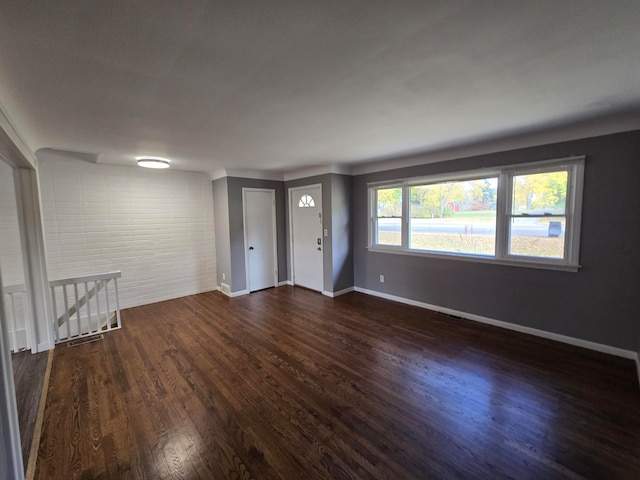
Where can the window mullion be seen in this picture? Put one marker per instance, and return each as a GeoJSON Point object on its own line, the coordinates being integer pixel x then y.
{"type": "Point", "coordinates": [569, 206]}
{"type": "Point", "coordinates": [373, 216]}
{"type": "Point", "coordinates": [406, 218]}
{"type": "Point", "coordinates": [503, 208]}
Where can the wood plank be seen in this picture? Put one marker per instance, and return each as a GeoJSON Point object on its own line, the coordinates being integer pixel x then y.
{"type": "Point", "coordinates": [287, 383]}
{"type": "Point", "coordinates": [28, 374]}
{"type": "Point", "coordinates": [30, 465]}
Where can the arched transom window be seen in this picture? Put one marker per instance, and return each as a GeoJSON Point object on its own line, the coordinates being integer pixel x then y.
{"type": "Point", "coordinates": [306, 201]}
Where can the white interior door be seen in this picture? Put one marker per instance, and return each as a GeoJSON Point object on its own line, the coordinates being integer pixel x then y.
{"type": "Point", "coordinates": [306, 236]}
{"type": "Point", "coordinates": [260, 240]}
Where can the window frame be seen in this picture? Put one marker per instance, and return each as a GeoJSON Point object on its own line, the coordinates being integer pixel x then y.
{"type": "Point", "coordinates": [373, 205]}
{"type": "Point", "coordinates": [504, 197]}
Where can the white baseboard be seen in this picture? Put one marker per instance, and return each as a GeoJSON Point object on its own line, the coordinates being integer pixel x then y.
{"type": "Point", "coordinates": [338, 293]}
{"type": "Point", "coordinates": [43, 347]}
{"type": "Point", "coordinates": [285, 282]}
{"type": "Point", "coordinates": [598, 347]}
{"type": "Point", "coordinates": [236, 294]}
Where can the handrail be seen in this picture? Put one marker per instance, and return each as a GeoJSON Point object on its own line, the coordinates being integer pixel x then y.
{"type": "Point", "coordinates": [84, 312]}
{"type": "Point", "coordinates": [11, 289]}
{"type": "Point", "coordinates": [88, 278]}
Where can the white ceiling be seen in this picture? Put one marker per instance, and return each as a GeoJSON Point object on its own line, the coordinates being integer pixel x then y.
{"type": "Point", "coordinates": [287, 84]}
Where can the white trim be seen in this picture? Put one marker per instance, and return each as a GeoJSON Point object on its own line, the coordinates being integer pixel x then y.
{"type": "Point", "coordinates": [598, 347]}
{"type": "Point", "coordinates": [242, 173]}
{"type": "Point", "coordinates": [475, 259]}
{"type": "Point", "coordinates": [338, 293]}
{"type": "Point", "coordinates": [11, 452]}
{"type": "Point", "coordinates": [285, 282]}
{"type": "Point", "coordinates": [32, 240]}
{"type": "Point", "coordinates": [11, 289]}
{"type": "Point", "coordinates": [43, 347]}
{"type": "Point", "coordinates": [22, 156]}
{"type": "Point", "coordinates": [217, 174]}
{"type": "Point", "coordinates": [573, 165]}
{"type": "Point", "coordinates": [88, 278]}
{"type": "Point", "coordinates": [245, 190]}
{"type": "Point", "coordinates": [307, 172]}
{"type": "Point", "coordinates": [239, 293]}
{"type": "Point", "coordinates": [255, 174]}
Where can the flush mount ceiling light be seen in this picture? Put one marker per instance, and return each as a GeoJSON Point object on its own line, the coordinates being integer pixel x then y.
{"type": "Point", "coordinates": [153, 162]}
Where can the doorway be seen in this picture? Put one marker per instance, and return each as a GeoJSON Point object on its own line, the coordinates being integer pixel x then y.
{"type": "Point", "coordinates": [259, 208]}
{"type": "Point", "coordinates": [305, 217]}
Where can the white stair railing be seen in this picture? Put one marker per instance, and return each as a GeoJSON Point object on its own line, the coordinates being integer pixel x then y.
{"type": "Point", "coordinates": [17, 310]}
{"type": "Point", "coordinates": [88, 305]}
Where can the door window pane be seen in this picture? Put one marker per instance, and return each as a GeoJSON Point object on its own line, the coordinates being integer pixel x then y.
{"type": "Point", "coordinates": [306, 201]}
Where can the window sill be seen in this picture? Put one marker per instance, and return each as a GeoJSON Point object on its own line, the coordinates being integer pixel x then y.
{"type": "Point", "coordinates": [563, 267]}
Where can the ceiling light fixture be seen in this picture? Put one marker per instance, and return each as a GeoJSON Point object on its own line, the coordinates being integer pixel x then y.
{"type": "Point", "coordinates": [153, 162]}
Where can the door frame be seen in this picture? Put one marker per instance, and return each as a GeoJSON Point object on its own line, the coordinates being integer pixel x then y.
{"type": "Point", "coordinates": [11, 446]}
{"type": "Point", "coordinates": [291, 242]}
{"type": "Point", "coordinates": [244, 233]}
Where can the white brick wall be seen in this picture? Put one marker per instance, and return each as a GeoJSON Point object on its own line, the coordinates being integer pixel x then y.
{"type": "Point", "coordinates": [10, 248]}
{"type": "Point", "coordinates": [154, 226]}
{"type": "Point", "coordinates": [11, 257]}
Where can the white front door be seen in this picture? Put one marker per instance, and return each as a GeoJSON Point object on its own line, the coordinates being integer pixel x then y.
{"type": "Point", "coordinates": [260, 241]}
{"type": "Point", "coordinates": [305, 205]}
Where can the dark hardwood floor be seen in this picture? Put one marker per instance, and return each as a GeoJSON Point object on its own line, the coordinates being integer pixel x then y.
{"type": "Point", "coordinates": [287, 383]}
{"type": "Point", "coordinates": [28, 376]}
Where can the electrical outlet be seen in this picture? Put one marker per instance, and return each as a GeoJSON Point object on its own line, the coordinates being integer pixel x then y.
{"type": "Point", "coordinates": [326, 232]}
{"type": "Point", "coordinates": [381, 278]}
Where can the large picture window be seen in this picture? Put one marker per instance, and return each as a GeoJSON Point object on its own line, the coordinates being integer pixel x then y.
{"type": "Point", "coordinates": [525, 214]}
{"type": "Point", "coordinates": [454, 216]}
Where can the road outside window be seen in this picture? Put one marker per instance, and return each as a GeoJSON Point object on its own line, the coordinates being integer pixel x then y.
{"type": "Point", "coordinates": [526, 214]}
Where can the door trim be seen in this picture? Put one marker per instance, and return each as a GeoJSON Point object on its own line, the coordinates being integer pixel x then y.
{"type": "Point", "coordinates": [244, 233]}
{"type": "Point", "coordinates": [291, 206]}
{"type": "Point", "coordinates": [11, 445]}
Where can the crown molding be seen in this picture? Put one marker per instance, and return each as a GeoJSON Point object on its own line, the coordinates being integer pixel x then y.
{"type": "Point", "coordinates": [317, 170]}
{"type": "Point", "coordinates": [13, 148]}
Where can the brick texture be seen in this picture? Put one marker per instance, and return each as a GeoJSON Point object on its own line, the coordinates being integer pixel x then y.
{"type": "Point", "coordinates": [10, 248]}
{"type": "Point", "coordinates": [156, 227]}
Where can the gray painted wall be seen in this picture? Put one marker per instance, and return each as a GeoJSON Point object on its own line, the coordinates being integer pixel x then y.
{"type": "Point", "coordinates": [236, 228]}
{"type": "Point", "coordinates": [342, 231]}
{"type": "Point", "coordinates": [600, 303]}
{"type": "Point", "coordinates": [221, 226]}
